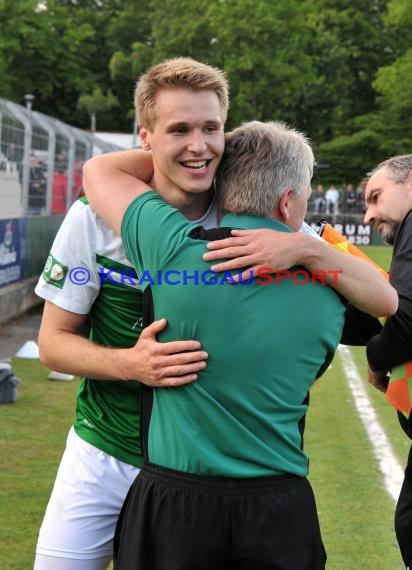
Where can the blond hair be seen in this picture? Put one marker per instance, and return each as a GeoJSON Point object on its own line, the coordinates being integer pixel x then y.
{"type": "Point", "coordinates": [178, 73]}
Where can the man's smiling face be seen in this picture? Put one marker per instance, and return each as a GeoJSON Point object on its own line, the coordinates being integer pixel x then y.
{"type": "Point", "coordinates": [187, 142]}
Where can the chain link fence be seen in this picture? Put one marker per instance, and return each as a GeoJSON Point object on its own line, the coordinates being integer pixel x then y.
{"type": "Point", "coordinates": [41, 161]}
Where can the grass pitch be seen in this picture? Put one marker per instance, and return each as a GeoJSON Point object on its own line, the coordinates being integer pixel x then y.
{"type": "Point", "coordinates": [355, 511]}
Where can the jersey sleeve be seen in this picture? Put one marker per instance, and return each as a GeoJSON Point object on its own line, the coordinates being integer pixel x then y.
{"type": "Point", "coordinates": [70, 278]}
{"type": "Point", "coordinates": [152, 232]}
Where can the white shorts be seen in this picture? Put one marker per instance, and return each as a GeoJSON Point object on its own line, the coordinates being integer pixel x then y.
{"type": "Point", "coordinates": [85, 503]}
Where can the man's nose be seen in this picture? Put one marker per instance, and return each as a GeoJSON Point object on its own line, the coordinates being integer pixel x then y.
{"type": "Point", "coordinates": [369, 216]}
{"type": "Point", "coordinates": [197, 142]}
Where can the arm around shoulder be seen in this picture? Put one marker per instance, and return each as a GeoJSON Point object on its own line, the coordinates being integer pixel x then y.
{"type": "Point", "coordinates": [354, 278]}
{"type": "Point", "coordinates": [112, 181]}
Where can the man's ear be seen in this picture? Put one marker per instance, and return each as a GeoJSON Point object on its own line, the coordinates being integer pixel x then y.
{"type": "Point", "coordinates": [284, 206]}
{"type": "Point", "coordinates": [409, 180]}
{"type": "Point", "coordinates": [144, 138]}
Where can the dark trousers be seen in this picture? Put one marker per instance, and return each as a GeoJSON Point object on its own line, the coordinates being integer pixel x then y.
{"type": "Point", "coordinates": [403, 515]}
{"type": "Point", "coordinates": [175, 521]}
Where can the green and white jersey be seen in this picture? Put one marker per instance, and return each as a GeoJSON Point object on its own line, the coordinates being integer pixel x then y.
{"type": "Point", "coordinates": [87, 272]}
{"type": "Point", "coordinates": [267, 341]}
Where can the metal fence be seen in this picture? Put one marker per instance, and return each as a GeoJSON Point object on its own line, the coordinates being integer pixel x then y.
{"type": "Point", "coordinates": [41, 161]}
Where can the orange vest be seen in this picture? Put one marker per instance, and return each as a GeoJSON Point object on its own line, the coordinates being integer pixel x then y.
{"type": "Point", "coordinates": [399, 391]}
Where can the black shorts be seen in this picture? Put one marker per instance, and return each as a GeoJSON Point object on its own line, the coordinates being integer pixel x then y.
{"type": "Point", "coordinates": [176, 521]}
{"type": "Point", "coordinates": [403, 515]}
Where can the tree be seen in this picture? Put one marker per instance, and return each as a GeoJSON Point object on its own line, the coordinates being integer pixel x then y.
{"type": "Point", "coordinates": [335, 68]}
{"type": "Point", "coordinates": [181, 29]}
{"type": "Point", "coordinates": [349, 157]}
{"type": "Point", "coordinates": [97, 102]}
{"type": "Point", "coordinates": [56, 50]}
{"type": "Point", "coordinates": [393, 82]}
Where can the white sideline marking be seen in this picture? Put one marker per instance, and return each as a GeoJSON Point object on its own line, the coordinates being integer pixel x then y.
{"type": "Point", "coordinates": [390, 467]}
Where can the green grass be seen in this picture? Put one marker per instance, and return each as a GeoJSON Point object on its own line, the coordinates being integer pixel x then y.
{"type": "Point", "coordinates": [356, 513]}
{"type": "Point", "coordinates": [32, 437]}
{"type": "Point", "coordinates": [381, 254]}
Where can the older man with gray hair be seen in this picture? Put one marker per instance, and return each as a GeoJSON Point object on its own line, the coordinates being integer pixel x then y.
{"type": "Point", "coordinates": [224, 483]}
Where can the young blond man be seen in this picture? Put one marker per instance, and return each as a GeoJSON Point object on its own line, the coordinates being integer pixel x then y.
{"type": "Point", "coordinates": [94, 277]}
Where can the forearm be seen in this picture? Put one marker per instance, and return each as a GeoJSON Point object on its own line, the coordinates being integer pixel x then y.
{"type": "Point", "coordinates": [123, 166]}
{"type": "Point", "coordinates": [91, 360]}
{"type": "Point", "coordinates": [354, 278]}
{"type": "Point", "coordinates": [151, 362]}
{"type": "Point", "coordinates": [113, 181]}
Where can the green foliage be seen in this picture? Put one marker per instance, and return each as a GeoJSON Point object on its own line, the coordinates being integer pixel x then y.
{"type": "Point", "coordinates": [349, 157]}
{"type": "Point", "coordinates": [335, 69]}
{"type": "Point", "coordinates": [359, 30]}
{"type": "Point", "coordinates": [95, 103]}
{"type": "Point", "coordinates": [181, 29]}
{"type": "Point", "coordinates": [393, 83]}
{"type": "Point", "coordinates": [266, 67]}
{"type": "Point", "coordinates": [394, 79]}
{"type": "Point", "coordinates": [399, 13]}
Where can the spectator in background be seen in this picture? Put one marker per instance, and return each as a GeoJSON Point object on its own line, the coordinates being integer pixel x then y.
{"type": "Point", "coordinates": [332, 200]}
{"type": "Point", "coordinates": [78, 181]}
{"type": "Point", "coordinates": [61, 161]}
{"type": "Point", "coordinates": [37, 186]}
{"type": "Point", "coordinates": [360, 201]}
{"type": "Point", "coordinates": [60, 184]}
{"type": "Point", "coordinates": [15, 156]}
{"type": "Point", "coordinates": [3, 161]}
{"type": "Point", "coordinates": [59, 193]}
{"type": "Point", "coordinates": [350, 199]}
{"type": "Point", "coordinates": [13, 153]}
{"type": "Point", "coordinates": [319, 200]}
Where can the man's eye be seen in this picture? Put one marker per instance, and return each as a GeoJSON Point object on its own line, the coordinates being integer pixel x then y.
{"type": "Point", "coordinates": [214, 129]}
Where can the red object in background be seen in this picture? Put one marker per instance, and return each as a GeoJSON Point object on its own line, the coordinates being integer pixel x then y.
{"type": "Point", "coordinates": [59, 192]}
{"type": "Point", "coordinates": [78, 191]}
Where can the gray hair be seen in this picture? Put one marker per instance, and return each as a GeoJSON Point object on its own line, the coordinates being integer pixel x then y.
{"type": "Point", "coordinates": [260, 163]}
{"type": "Point", "coordinates": [399, 167]}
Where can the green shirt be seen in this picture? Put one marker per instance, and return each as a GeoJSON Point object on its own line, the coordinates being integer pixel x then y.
{"type": "Point", "coordinates": [107, 413]}
{"type": "Point", "coordinates": [266, 345]}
